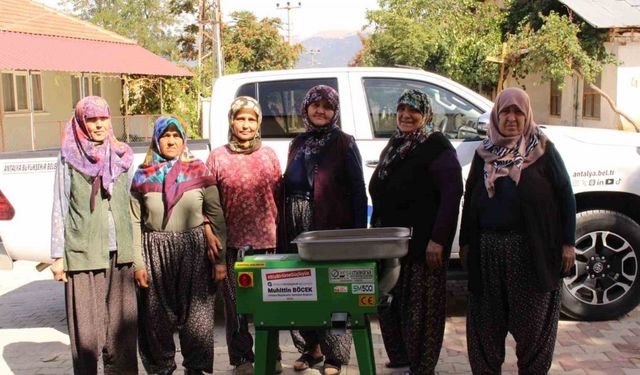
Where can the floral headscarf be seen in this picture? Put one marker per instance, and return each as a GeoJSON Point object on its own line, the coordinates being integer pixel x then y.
{"type": "Point", "coordinates": [240, 103]}
{"type": "Point", "coordinates": [104, 161]}
{"type": "Point", "coordinates": [401, 144]}
{"type": "Point", "coordinates": [318, 136]}
{"type": "Point", "coordinates": [508, 156]}
{"type": "Point", "coordinates": [171, 177]}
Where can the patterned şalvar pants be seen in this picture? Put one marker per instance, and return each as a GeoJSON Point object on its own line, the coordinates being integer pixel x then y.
{"type": "Point", "coordinates": [412, 325]}
{"type": "Point", "coordinates": [509, 302]}
{"type": "Point", "coordinates": [180, 297]}
{"type": "Point", "coordinates": [336, 348]}
{"type": "Point", "coordinates": [101, 314]}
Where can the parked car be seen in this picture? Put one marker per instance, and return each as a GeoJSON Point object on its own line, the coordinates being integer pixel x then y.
{"type": "Point", "coordinates": [604, 166]}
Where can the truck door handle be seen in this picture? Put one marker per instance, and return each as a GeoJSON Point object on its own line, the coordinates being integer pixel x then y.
{"type": "Point", "coordinates": [371, 163]}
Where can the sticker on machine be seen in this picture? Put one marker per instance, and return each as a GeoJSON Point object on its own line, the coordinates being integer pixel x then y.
{"type": "Point", "coordinates": [351, 275]}
{"type": "Point", "coordinates": [362, 288]}
{"type": "Point", "coordinates": [289, 284]}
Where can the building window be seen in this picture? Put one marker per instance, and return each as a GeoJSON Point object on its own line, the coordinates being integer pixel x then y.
{"type": "Point", "coordinates": [591, 100]}
{"type": "Point", "coordinates": [16, 93]}
{"type": "Point", "coordinates": [555, 98]}
{"type": "Point", "coordinates": [92, 86]}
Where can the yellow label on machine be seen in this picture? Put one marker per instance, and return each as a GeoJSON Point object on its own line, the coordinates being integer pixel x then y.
{"type": "Point", "coordinates": [250, 265]}
{"type": "Point", "coordinates": [367, 300]}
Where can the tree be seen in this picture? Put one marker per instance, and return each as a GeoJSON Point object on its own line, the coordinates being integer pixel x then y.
{"type": "Point", "coordinates": [449, 37]}
{"type": "Point", "coordinates": [148, 22]}
{"type": "Point", "coordinates": [557, 46]}
{"type": "Point", "coordinates": [250, 44]}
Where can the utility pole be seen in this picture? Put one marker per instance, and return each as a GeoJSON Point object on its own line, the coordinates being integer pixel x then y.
{"type": "Point", "coordinates": [288, 7]}
{"type": "Point", "coordinates": [313, 52]}
{"type": "Point", "coordinates": [217, 40]}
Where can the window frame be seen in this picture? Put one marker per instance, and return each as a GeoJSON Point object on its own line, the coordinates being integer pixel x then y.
{"type": "Point", "coordinates": [555, 95]}
{"type": "Point", "coordinates": [29, 91]}
{"type": "Point", "coordinates": [377, 134]}
{"type": "Point", "coordinates": [88, 79]}
{"type": "Point", "coordinates": [588, 94]}
{"type": "Point", "coordinates": [254, 89]}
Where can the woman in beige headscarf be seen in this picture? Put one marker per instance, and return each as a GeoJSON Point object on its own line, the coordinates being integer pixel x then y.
{"type": "Point", "coordinates": [249, 179]}
{"type": "Point", "coordinates": [517, 239]}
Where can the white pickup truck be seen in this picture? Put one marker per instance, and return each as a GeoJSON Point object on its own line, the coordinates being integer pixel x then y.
{"type": "Point", "coordinates": [604, 166]}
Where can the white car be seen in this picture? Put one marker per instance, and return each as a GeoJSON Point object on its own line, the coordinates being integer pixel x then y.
{"type": "Point", "coordinates": [604, 166]}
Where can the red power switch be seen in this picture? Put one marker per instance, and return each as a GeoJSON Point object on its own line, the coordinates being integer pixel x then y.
{"type": "Point", "coordinates": [245, 279]}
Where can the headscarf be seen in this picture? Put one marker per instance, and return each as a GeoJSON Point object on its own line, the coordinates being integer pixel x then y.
{"type": "Point", "coordinates": [240, 103]}
{"type": "Point", "coordinates": [402, 143]}
{"type": "Point", "coordinates": [316, 137]}
{"type": "Point", "coordinates": [171, 177]}
{"type": "Point", "coordinates": [508, 156]}
{"type": "Point", "coordinates": [105, 161]}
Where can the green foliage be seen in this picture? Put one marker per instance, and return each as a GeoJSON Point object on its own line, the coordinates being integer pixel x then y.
{"type": "Point", "coordinates": [455, 37]}
{"type": "Point", "coordinates": [146, 21]}
{"type": "Point", "coordinates": [554, 50]}
{"type": "Point", "coordinates": [255, 45]}
{"type": "Point", "coordinates": [535, 14]}
{"type": "Point", "coordinates": [450, 37]}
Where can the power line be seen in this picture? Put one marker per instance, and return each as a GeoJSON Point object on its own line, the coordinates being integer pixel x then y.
{"type": "Point", "coordinates": [288, 7]}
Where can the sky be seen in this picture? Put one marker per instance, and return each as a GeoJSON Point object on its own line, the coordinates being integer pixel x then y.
{"type": "Point", "coordinates": [311, 18]}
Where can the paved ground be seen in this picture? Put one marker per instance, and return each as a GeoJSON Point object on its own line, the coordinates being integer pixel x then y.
{"type": "Point", "coordinates": [34, 340]}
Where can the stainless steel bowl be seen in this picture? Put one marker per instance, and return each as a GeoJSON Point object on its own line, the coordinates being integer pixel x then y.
{"type": "Point", "coordinates": [353, 244]}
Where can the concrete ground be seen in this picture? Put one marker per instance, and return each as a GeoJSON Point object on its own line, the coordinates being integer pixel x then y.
{"type": "Point", "coordinates": [34, 339]}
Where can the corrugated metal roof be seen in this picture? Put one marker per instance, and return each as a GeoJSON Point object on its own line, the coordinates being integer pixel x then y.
{"type": "Point", "coordinates": [607, 14]}
{"type": "Point", "coordinates": [20, 51]}
{"type": "Point", "coordinates": [27, 16]}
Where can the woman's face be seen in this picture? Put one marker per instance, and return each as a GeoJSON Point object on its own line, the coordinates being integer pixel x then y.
{"type": "Point", "coordinates": [511, 121]}
{"type": "Point", "coordinates": [98, 128]}
{"type": "Point", "coordinates": [321, 112]}
{"type": "Point", "coordinates": [245, 125]}
{"type": "Point", "coordinates": [409, 118]}
{"type": "Point", "coordinates": [170, 143]}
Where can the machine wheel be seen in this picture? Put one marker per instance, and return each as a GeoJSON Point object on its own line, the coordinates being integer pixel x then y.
{"type": "Point", "coordinates": [605, 282]}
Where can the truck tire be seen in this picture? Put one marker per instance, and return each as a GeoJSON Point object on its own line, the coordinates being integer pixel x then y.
{"type": "Point", "coordinates": [605, 281]}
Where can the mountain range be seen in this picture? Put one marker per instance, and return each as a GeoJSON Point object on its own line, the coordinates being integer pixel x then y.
{"type": "Point", "coordinates": [329, 49]}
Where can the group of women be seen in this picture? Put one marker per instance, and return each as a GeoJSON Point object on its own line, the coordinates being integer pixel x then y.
{"type": "Point", "coordinates": [178, 228]}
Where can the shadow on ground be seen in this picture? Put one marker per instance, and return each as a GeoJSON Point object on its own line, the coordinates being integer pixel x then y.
{"type": "Point", "coordinates": [35, 357]}
{"type": "Point", "coordinates": [39, 304]}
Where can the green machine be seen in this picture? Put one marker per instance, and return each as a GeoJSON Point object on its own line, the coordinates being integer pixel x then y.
{"type": "Point", "coordinates": [332, 283]}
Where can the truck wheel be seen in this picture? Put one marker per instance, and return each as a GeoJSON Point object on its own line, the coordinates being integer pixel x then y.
{"type": "Point", "coordinates": [605, 281]}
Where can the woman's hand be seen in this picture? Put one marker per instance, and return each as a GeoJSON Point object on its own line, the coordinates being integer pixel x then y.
{"type": "Point", "coordinates": [568, 258]}
{"type": "Point", "coordinates": [57, 268]}
{"type": "Point", "coordinates": [464, 252]}
{"type": "Point", "coordinates": [142, 278]}
{"type": "Point", "coordinates": [213, 244]}
{"type": "Point", "coordinates": [434, 255]}
{"type": "Point", "coordinates": [219, 272]}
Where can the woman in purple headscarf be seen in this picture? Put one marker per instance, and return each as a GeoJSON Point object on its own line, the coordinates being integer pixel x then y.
{"type": "Point", "coordinates": [179, 228]}
{"type": "Point", "coordinates": [324, 189]}
{"type": "Point", "coordinates": [91, 241]}
{"type": "Point", "coordinates": [517, 238]}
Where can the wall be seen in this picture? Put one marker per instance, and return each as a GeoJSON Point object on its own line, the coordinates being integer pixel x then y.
{"type": "Point", "coordinates": [621, 83]}
{"type": "Point", "coordinates": [58, 107]}
{"type": "Point", "coordinates": [628, 81]}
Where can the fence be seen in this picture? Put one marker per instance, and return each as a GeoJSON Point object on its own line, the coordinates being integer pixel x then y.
{"type": "Point", "coordinates": [16, 134]}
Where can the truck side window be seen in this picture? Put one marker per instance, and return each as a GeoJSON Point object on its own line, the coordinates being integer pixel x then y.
{"type": "Point", "coordinates": [280, 102]}
{"type": "Point", "coordinates": [452, 115]}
